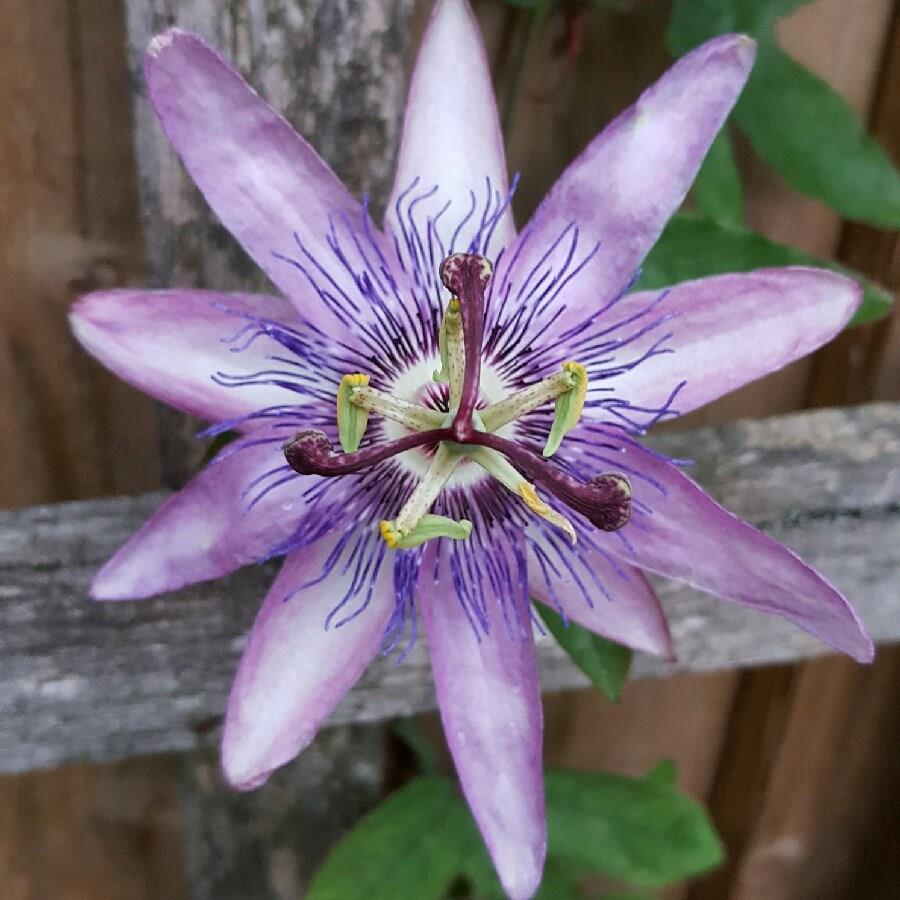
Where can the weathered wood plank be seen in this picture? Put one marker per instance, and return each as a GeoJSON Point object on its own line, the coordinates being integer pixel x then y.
{"type": "Point", "coordinates": [334, 68]}
{"type": "Point", "coordinates": [267, 844]}
{"type": "Point", "coordinates": [69, 224]}
{"type": "Point", "coordinates": [799, 817]}
{"type": "Point", "coordinates": [85, 680]}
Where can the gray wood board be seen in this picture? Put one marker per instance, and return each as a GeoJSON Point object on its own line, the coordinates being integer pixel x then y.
{"type": "Point", "coordinates": [86, 680]}
{"type": "Point", "coordinates": [336, 69]}
{"type": "Point", "coordinates": [266, 844]}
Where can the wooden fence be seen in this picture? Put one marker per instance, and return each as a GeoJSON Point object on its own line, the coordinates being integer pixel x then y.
{"type": "Point", "coordinates": [798, 762]}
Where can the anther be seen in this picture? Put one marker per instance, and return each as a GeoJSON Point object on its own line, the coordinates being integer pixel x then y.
{"type": "Point", "coordinates": [527, 399]}
{"type": "Point", "coordinates": [351, 418]}
{"type": "Point", "coordinates": [528, 493]}
{"type": "Point", "coordinates": [569, 406]}
{"type": "Point", "coordinates": [450, 330]}
{"type": "Point", "coordinates": [428, 528]}
{"type": "Point", "coordinates": [604, 500]}
{"type": "Point", "coordinates": [496, 465]}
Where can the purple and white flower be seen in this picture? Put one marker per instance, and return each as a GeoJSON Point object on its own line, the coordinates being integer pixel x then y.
{"type": "Point", "coordinates": [443, 352]}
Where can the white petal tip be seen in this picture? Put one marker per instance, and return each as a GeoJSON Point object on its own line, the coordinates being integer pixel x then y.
{"type": "Point", "coordinates": [92, 316]}
{"type": "Point", "coordinates": [866, 652]}
{"type": "Point", "coordinates": [106, 590]}
{"type": "Point", "coordinates": [741, 47]}
{"type": "Point", "coordinates": [842, 293]}
{"type": "Point", "coordinates": [121, 578]}
{"type": "Point", "coordinates": [250, 752]}
{"type": "Point", "coordinates": [163, 41]}
{"type": "Point", "coordinates": [242, 781]}
{"type": "Point", "coordinates": [521, 885]}
{"type": "Point", "coordinates": [102, 596]}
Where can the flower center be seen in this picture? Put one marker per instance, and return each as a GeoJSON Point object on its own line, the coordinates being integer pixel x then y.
{"type": "Point", "coordinates": [465, 432]}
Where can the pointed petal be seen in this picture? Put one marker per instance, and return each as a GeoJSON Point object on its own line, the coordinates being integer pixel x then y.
{"type": "Point", "coordinates": [294, 670]}
{"type": "Point", "coordinates": [206, 530]}
{"type": "Point", "coordinates": [726, 331]}
{"type": "Point", "coordinates": [490, 702]}
{"type": "Point", "coordinates": [688, 536]}
{"type": "Point", "coordinates": [170, 344]}
{"type": "Point", "coordinates": [598, 592]}
{"type": "Point", "coordinates": [624, 187]}
{"type": "Point", "coordinates": [451, 133]}
{"type": "Point", "coordinates": [259, 176]}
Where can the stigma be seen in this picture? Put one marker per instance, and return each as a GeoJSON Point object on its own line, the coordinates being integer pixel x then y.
{"type": "Point", "coordinates": [468, 431]}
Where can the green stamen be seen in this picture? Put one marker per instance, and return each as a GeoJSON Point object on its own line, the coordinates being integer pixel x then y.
{"type": "Point", "coordinates": [427, 528]}
{"type": "Point", "coordinates": [499, 467]}
{"type": "Point", "coordinates": [444, 464]}
{"type": "Point", "coordinates": [524, 401]}
{"type": "Point", "coordinates": [409, 415]}
{"type": "Point", "coordinates": [569, 406]}
{"type": "Point", "coordinates": [351, 419]}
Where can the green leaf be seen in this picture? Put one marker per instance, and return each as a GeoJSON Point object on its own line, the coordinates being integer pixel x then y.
{"type": "Point", "coordinates": [808, 132]}
{"type": "Point", "coordinates": [793, 119]}
{"type": "Point", "coordinates": [639, 830]}
{"type": "Point", "coordinates": [717, 191]}
{"type": "Point", "coordinates": [605, 662]}
{"type": "Point", "coordinates": [695, 21]}
{"type": "Point", "coordinates": [693, 247]}
{"type": "Point", "coordinates": [482, 878]}
{"type": "Point", "coordinates": [409, 848]}
{"type": "Point", "coordinates": [664, 772]}
{"type": "Point", "coordinates": [626, 896]}
{"type": "Point", "coordinates": [408, 730]}
{"type": "Point", "coordinates": [767, 11]}
{"type": "Point", "coordinates": [562, 879]}
{"type": "Point", "coordinates": [219, 443]}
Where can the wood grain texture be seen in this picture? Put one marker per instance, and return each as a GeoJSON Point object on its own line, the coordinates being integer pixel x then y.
{"type": "Point", "coordinates": [334, 68]}
{"type": "Point", "coordinates": [814, 826]}
{"type": "Point", "coordinates": [88, 832]}
{"type": "Point", "coordinates": [266, 844]}
{"type": "Point", "coordinates": [87, 680]}
{"type": "Point", "coordinates": [619, 54]}
{"type": "Point", "coordinates": [843, 45]}
{"type": "Point", "coordinates": [69, 224]}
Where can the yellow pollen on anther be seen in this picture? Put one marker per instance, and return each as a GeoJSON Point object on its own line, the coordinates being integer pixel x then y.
{"type": "Point", "coordinates": [453, 305]}
{"type": "Point", "coordinates": [348, 382]}
{"type": "Point", "coordinates": [527, 492]}
{"type": "Point", "coordinates": [389, 533]}
{"type": "Point", "coordinates": [579, 373]}
{"type": "Point", "coordinates": [532, 501]}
